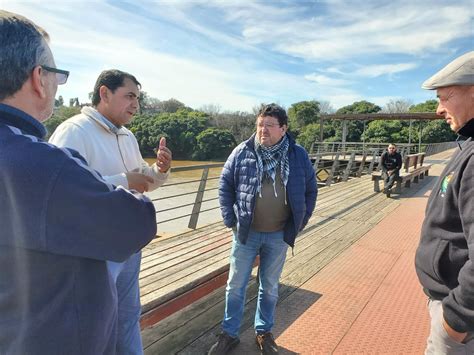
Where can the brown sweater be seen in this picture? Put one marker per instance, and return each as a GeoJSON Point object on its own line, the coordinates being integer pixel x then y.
{"type": "Point", "coordinates": [271, 212]}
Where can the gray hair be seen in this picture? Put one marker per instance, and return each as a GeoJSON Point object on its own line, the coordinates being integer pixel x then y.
{"type": "Point", "coordinates": [23, 46]}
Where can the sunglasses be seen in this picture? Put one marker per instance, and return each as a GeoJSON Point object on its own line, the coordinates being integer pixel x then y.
{"type": "Point", "coordinates": [61, 75]}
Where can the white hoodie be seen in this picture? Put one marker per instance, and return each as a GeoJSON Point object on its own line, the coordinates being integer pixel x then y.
{"type": "Point", "coordinates": [110, 150]}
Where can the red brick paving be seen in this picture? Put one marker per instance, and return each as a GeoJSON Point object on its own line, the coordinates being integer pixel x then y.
{"type": "Point", "coordinates": [371, 301]}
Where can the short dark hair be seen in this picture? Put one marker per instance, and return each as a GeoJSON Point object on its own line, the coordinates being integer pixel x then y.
{"type": "Point", "coordinates": [275, 111]}
{"type": "Point", "coordinates": [22, 47]}
{"type": "Point", "coordinates": [112, 79]}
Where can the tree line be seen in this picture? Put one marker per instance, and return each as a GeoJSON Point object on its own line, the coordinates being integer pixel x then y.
{"type": "Point", "coordinates": [209, 134]}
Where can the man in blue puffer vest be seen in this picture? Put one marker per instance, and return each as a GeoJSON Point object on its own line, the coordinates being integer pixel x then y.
{"type": "Point", "coordinates": [267, 194]}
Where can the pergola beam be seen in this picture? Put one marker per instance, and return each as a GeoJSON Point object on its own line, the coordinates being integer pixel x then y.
{"type": "Point", "coordinates": [383, 116]}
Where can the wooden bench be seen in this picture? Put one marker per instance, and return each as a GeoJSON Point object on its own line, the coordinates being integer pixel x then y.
{"type": "Point", "coordinates": [412, 170]}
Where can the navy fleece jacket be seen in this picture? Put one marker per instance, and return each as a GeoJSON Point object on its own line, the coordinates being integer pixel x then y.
{"type": "Point", "coordinates": [59, 223]}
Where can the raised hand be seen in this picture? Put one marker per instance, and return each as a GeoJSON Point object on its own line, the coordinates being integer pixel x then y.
{"type": "Point", "coordinates": [163, 156]}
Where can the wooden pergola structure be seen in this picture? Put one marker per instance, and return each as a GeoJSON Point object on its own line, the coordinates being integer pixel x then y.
{"type": "Point", "coordinates": [417, 116]}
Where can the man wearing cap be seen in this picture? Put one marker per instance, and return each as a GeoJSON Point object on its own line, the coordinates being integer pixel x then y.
{"type": "Point", "coordinates": [446, 250]}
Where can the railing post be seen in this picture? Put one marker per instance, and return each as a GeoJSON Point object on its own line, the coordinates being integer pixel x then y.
{"type": "Point", "coordinates": [362, 163]}
{"type": "Point", "coordinates": [316, 163]}
{"type": "Point", "coordinates": [347, 172]}
{"type": "Point", "coordinates": [197, 203]}
{"type": "Point", "coordinates": [333, 170]}
{"type": "Point", "coordinates": [371, 166]}
{"type": "Point", "coordinates": [379, 166]}
{"type": "Point", "coordinates": [315, 167]}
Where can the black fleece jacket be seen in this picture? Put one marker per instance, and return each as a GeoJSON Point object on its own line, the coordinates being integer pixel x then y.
{"type": "Point", "coordinates": [444, 259]}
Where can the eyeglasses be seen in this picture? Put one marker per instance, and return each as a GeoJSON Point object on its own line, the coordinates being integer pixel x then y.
{"type": "Point", "coordinates": [61, 75]}
{"type": "Point", "coordinates": [267, 125]}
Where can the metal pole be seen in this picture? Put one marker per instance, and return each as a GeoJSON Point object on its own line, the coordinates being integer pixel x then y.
{"type": "Point", "coordinates": [321, 129]}
{"type": "Point", "coordinates": [419, 139]}
{"type": "Point", "coordinates": [409, 134]}
{"type": "Point", "coordinates": [363, 139]}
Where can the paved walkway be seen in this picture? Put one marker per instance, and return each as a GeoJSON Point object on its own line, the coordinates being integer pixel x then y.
{"type": "Point", "coordinates": [367, 301]}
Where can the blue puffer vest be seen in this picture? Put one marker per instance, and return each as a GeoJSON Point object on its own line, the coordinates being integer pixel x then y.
{"type": "Point", "coordinates": [238, 189]}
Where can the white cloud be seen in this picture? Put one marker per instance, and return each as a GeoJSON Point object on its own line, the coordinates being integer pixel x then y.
{"type": "Point", "coordinates": [326, 80]}
{"type": "Point", "coordinates": [357, 28]}
{"type": "Point", "coordinates": [238, 54]}
{"type": "Point", "coordinates": [372, 71]}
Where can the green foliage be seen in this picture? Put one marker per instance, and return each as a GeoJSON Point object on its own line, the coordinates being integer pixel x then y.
{"type": "Point", "coordinates": [437, 131]}
{"type": "Point", "coordinates": [214, 144]}
{"type": "Point", "coordinates": [434, 131]}
{"type": "Point", "coordinates": [211, 135]}
{"type": "Point", "coordinates": [333, 129]}
{"type": "Point", "coordinates": [240, 124]}
{"type": "Point", "coordinates": [303, 113]}
{"type": "Point", "coordinates": [180, 128]}
{"type": "Point", "coordinates": [359, 107]}
{"type": "Point", "coordinates": [387, 131]}
{"type": "Point", "coordinates": [60, 115]}
{"type": "Point", "coordinates": [427, 106]}
{"type": "Point", "coordinates": [308, 135]}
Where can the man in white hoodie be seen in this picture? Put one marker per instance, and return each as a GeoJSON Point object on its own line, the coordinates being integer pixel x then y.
{"type": "Point", "coordinates": [99, 135]}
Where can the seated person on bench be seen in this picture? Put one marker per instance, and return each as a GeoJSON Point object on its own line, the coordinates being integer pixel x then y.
{"type": "Point", "coordinates": [391, 165]}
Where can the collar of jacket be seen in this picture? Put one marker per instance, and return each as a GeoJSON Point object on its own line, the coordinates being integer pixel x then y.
{"type": "Point", "coordinates": [102, 121]}
{"type": "Point", "coordinates": [12, 116]}
{"type": "Point", "coordinates": [251, 141]}
{"type": "Point", "coordinates": [467, 130]}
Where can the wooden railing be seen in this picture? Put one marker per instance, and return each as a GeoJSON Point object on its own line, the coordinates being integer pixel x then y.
{"type": "Point", "coordinates": [330, 167]}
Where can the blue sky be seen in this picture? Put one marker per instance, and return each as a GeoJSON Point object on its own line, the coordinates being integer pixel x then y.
{"type": "Point", "coordinates": [237, 54]}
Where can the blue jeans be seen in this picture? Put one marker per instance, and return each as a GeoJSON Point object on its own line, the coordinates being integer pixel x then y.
{"type": "Point", "coordinates": [125, 275]}
{"type": "Point", "coordinates": [272, 250]}
{"type": "Point", "coordinates": [390, 180]}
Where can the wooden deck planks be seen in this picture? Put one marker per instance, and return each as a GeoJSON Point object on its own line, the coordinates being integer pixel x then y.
{"type": "Point", "coordinates": [171, 266]}
{"type": "Point", "coordinates": [345, 212]}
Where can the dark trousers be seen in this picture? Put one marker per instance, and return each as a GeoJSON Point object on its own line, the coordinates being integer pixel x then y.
{"type": "Point", "coordinates": [390, 180]}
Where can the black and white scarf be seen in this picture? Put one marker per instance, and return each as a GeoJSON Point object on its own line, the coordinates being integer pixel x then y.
{"type": "Point", "coordinates": [268, 159]}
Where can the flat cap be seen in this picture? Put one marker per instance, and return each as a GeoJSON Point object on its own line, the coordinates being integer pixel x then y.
{"type": "Point", "coordinates": [459, 72]}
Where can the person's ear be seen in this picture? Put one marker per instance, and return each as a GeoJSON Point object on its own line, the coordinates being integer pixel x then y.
{"type": "Point", "coordinates": [104, 94]}
{"type": "Point", "coordinates": [38, 81]}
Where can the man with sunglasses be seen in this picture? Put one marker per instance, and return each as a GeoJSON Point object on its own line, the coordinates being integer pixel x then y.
{"type": "Point", "coordinates": [60, 220]}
